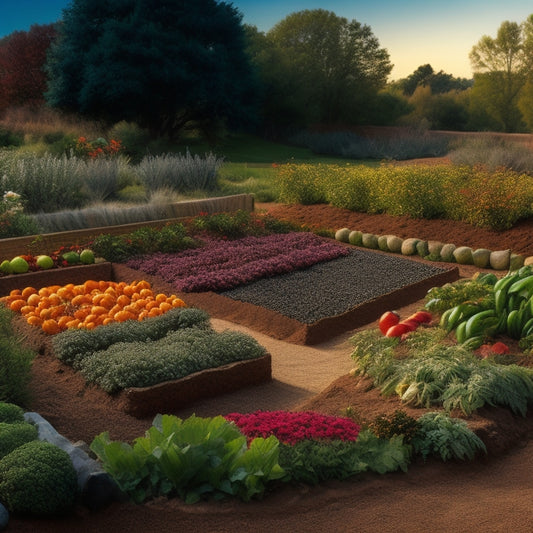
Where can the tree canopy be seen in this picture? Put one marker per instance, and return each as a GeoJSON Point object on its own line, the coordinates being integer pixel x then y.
{"type": "Point", "coordinates": [22, 58]}
{"type": "Point", "coordinates": [502, 66]}
{"type": "Point", "coordinates": [321, 67]}
{"type": "Point", "coordinates": [161, 64]}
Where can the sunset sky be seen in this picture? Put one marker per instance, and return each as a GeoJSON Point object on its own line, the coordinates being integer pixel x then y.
{"type": "Point", "coordinates": [414, 32]}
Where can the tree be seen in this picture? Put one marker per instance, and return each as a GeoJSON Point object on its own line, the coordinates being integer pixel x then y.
{"type": "Point", "coordinates": [330, 69]}
{"type": "Point", "coordinates": [440, 82]}
{"type": "Point", "coordinates": [163, 65]}
{"type": "Point", "coordinates": [22, 58]}
{"type": "Point", "coordinates": [501, 68]}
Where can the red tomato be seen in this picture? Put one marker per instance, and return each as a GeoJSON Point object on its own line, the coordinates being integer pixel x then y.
{"type": "Point", "coordinates": [422, 317]}
{"type": "Point", "coordinates": [413, 324]}
{"type": "Point", "coordinates": [387, 320]}
{"type": "Point", "coordinates": [398, 330]}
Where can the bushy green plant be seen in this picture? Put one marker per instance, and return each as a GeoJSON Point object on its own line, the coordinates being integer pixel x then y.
{"type": "Point", "coordinates": [311, 461]}
{"type": "Point", "coordinates": [38, 478]}
{"type": "Point", "coordinates": [134, 139]}
{"type": "Point", "coordinates": [11, 413]}
{"type": "Point", "coordinates": [15, 434]}
{"type": "Point", "coordinates": [72, 345]}
{"type": "Point", "coordinates": [15, 362]}
{"type": "Point", "coordinates": [118, 248]}
{"type": "Point", "coordinates": [10, 138]}
{"type": "Point", "coordinates": [447, 438]}
{"type": "Point", "coordinates": [13, 221]}
{"type": "Point", "coordinates": [178, 354]}
{"type": "Point", "coordinates": [192, 458]}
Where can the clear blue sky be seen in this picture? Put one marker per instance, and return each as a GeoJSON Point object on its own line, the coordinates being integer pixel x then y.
{"type": "Point", "coordinates": [414, 32]}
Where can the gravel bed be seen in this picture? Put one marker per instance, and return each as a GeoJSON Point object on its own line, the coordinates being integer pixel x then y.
{"type": "Point", "coordinates": [333, 287]}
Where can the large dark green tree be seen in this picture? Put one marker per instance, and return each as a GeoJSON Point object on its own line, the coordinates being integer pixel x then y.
{"type": "Point", "coordinates": [161, 64]}
{"type": "Point", "coordinates": [320, 68]}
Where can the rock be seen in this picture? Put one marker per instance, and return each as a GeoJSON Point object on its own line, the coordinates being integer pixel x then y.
{"type": "Point", "coordinates": [481, 257]}
{"type": "Point", "coordinates": [528, 260]}
{"type": "Point", "coordinates": [463, 255]}
{"type": "Point", "coordinates": [369, 240]}
{"type": "Point", "coordinates": [516, 261]}
{"type": "Point", "coordinates": [434, 248]}
{"type": "Point", "coordinates": [394, 244]}
{"type": "Point", "coordinates": [422, 248]}
{"type": "Point", "coordinates": [446, 253]}
{"type": "Point", "coordinates": [355, 237]}
{"type": "Point", "coordinates": [4, 517]}
{"type": "Point", "coordinates": [409, 246]}
{"type": "Point", "coordinates": [342, 234]}
{"type": "Point", "coordinates": [500, 259]}
{"type": "Point", "coordinates": [382, 243]}
{"type": "Point", "coordinates": [96, 486]}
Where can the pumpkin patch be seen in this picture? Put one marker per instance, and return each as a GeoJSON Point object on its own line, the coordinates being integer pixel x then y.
{"type": "Point", "coordinates": [91, 304]}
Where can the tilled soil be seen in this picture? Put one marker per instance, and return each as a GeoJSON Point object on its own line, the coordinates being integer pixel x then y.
{"type": "Point", "coordinates": [492, 494]}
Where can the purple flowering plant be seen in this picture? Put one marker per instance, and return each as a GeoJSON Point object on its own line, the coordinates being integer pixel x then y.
{"type": "Point", "coordinates": [224, 264]}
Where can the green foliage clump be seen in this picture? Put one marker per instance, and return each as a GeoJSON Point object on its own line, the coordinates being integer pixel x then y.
{"type": "Point", "coordinates": [11, 413]}
{"type": "Point", "coordinates": [447, 438]}
{"type": "Point", "coordinates": [178, 354]}
{"type": "Point", "coordinates": [38, 478]}
{"type": "Point", "coordinates": [311, 461]}
{"type": "Point", "coordinates": [140, 354]}
{"type": "Point", "coordinates": [191, 459]}
{"type": "Point", "coordinates": [15, 362]}
{"type": "Point", "coordinates": [13, 435]}
{"type": "Point", "coordinates": [72, 345]}
{"type": "Point", "coordinates": [240, 224]}
{"type": "Point", "coordinates": [397, 424]}
{"type": "Point", "coordinates": [117, 248]}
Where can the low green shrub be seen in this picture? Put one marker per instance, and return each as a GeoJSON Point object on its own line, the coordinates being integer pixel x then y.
{"type": "Point", "coordinates": [72, 345]}
{"type": "Point", "coordinates": [11, 413]}
{"type": "Point", "coordinates": [395, 425]}
{"type": "Point", "coordinates": [193, 459]}
{"type": "Point", "coordinates": [446, 438]}
{"type": "Point", "coordinates": [38, 479]}
{"type": "Point", "coordinates": [15, 434]}
{"type": "Point", "coordinates": [177, 355]}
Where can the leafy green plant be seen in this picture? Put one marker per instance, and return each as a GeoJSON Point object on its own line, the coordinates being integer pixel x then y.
{"type": "Point", "coordinates": [11, 413]}
{"type": "Point", "coordinates": [192, 459]}
{"type": "Point", "coordinates": [447, 438]}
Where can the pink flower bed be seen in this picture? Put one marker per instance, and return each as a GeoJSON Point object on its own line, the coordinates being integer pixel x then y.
{"type": "Point", "coordinates": [223, 264]}
{"type": "Point", "coordinates": [292, 427]}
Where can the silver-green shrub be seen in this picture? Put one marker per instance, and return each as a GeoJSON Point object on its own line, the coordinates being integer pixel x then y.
{"type": "Point", "coordinates": [179, 172]}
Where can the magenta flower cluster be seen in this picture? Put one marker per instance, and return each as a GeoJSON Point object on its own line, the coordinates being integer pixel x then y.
{"type": "Point", "coordinates": [292, 427]}
{"type": "Point", "coordinates": [222, 264]}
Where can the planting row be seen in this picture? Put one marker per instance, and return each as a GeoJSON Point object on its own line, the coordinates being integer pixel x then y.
{"type": "Point", "coordinates": [495, 199]}
{"type": "Point", "coordinates": [434, 250]}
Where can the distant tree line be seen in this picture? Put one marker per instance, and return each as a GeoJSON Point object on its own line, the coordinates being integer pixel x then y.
{"type": "Point", "coordinates": [173, 65]}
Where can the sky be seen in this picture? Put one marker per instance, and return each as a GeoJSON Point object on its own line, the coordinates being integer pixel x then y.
{"type": "Point", "coordinates": [414, 32]}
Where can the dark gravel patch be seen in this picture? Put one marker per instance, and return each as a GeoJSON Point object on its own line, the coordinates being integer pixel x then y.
{"type": "Point", "coordinates": [333, 287]}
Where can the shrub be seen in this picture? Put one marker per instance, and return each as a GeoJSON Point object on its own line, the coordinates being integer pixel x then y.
{"type": "Point", "coordinates": [192, 458]}
{"type": "Point", "coordinates": [10, 413]}
{"type": "Point", "coordinates": [13, 435]}
{"type": "Point", "coordinates": [38, 478]}
{"type": "Point", "coordinates": [446, 438]}
{"type": "Point", "coordinates": [13, 221]}
{"type": "Point", "coordinates": [179, 172]}
{"type": "Point", "coordinates": [134, 139]}
{"type": "Point", "coordinates": [397, 424]}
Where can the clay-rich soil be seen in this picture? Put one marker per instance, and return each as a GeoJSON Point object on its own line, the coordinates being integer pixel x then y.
{"type": "Point", "coordinates": [492, 494]}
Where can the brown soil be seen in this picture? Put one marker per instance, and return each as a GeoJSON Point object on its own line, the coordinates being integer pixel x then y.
{"type": "Point", "coordinates": [491, 494]}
